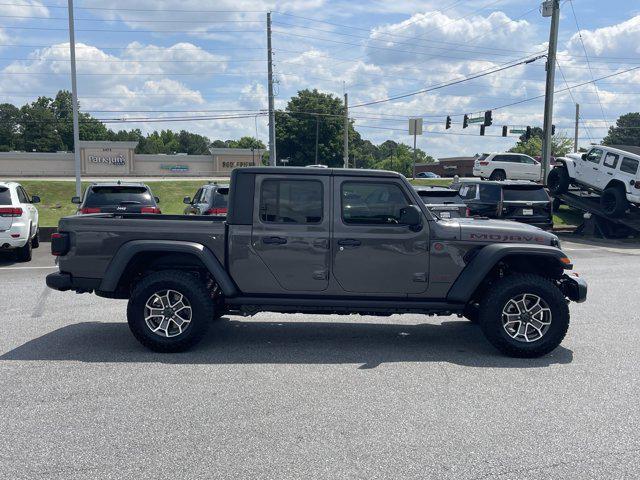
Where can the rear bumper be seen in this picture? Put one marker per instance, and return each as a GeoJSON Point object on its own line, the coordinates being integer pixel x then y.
{"type": "Point", "coordinates": [574, 288]}
{"type": "Point", "coordinates": [64, 281]}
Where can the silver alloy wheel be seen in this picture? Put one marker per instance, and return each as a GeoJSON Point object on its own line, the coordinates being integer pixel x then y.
{"type": "Point", "coordinates": [167, 313]}
{"type": "Point", "coordinates": [526, 317]}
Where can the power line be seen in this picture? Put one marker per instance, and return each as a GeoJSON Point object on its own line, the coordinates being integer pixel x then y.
{"type": "Point", "coordinates": [572, 97]}
{"type": "Point", "coordinates": [455, 82]}
{"type": "Point", "coordinates": [109, 20]}
{"type": "Point", "coordinates": [112, 9]}
{"type": "Point", "coordinates": [586, 56]}
{"type": "Point", "coordinates": [15, 27]}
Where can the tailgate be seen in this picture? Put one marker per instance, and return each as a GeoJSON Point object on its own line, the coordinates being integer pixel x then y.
{"type": "Point", "coordinates": [5, 203]}
{"type": "Point", "coordinates": [526, 210]}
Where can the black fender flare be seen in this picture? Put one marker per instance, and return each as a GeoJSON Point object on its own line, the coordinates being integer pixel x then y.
{"type": "Point", "coordinates": [478, 268]}
{"type": "Point", "coordinates": [128, 250]}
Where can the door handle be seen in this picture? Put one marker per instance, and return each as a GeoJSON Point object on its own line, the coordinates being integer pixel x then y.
{"type": "Point", "coordinates": [595, 168]}
{"type": "Point", "coordinates": [349, 242]}
{"type": "Point", "coordinates": [609, 173]}
{"type": "Point", "coordinates": [274, 240]}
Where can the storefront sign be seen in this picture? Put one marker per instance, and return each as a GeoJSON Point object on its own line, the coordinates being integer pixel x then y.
{"type": "Point", "coordinates": [118, 160]}
{"type": "Point", "coordinates": [175, 168]}
{"type": "Point", "coordinates": [231, 164]}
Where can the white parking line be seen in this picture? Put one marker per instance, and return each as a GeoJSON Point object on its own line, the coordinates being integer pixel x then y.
{"type": "Point", "coordinates": [26, 268]}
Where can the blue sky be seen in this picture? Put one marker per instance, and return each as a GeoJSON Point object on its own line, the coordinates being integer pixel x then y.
{"type": "Point", "coordinates": [156, 63]}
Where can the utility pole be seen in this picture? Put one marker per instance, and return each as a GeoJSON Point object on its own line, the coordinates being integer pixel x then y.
{"type": "Point", "coordinates": [575, 133]}
{"type": "Point", "coordinates": [317, 132]}
{"type": "Point", "coordinates": [272, 117]}
{"type": "Point", "coordinates": [414, 154]}
{"type": "Point", "coordinates": [345, 151]}
{"type": "Point", "coordinates": [549, 8]}
{"type": "Point", "coordinates": [74, 100]}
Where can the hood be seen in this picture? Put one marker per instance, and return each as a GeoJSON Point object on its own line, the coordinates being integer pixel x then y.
{"type": "Point", "coordinates": [505, 231]}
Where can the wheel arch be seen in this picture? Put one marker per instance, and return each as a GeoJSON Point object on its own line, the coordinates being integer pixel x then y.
{"type": "Point", "coordinates": [616, 183]}
{"type": "Point", "coordinates": [142, 255]}
{"type": "Point", "coordinates": [539, 259]}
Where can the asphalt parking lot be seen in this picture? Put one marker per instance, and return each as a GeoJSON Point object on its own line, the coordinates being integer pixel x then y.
{"type": "Point", "coordinates": [302, 396]}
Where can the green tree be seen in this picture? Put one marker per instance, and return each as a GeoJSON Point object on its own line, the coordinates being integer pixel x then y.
{"type": "Point", "coordinates": [307, 113]}
{"type": "Point", "coordinates": [90, 128]}
{"type": "Point", "coordinates": [560, 144]}
{"type": "Point", "coordinates": [245, 142]}
{"type": "Point", "coordinates": [39, 127]}
{"type": "Point", "coordinates": [9, 127]}
{"type": "Point", "coordinates": [398, 157]}
{"type": "Point", "coordinates": [625, 132]}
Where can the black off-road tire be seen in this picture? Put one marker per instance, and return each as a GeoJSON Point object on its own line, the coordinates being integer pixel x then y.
{"type": "Point", "coordinates": [614, 202]}
{"type": "Point", "coordinates": [509, 287]}
{"type": "Point", "coordinates": [189, 286]}
{"type": "Point", "coordinates": [35, 241]}
{"type": "Point", "coordinates": [558, 181]}
{"type": "Point", "coordinates": [24, 254]}
{"type": "Point", "coordinates": [498, 175]}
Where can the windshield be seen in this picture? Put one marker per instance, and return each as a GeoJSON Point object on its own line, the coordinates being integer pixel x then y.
{"type": "Point", "coordinates": [5, 196]}
{"type": "Point", "coordinates": [220, 198]}
{"type": "Point", "coordinates": [118, 195]}
{"type": "Point", "coordinates": [440, 196]}
{"type": "Point", "coordinates": [530, 194]}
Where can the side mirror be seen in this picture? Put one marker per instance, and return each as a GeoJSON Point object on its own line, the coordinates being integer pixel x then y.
{"type": "Point", "coordinates": [35, 199]}
{"type": "Point", "coordinates": [187, 200]}
{"type": "Point", "coordinates": [157, 199]}
{"type": "Point", "coordinates": [412, 217]}
{"type": "Point", "coordinates": [583, 156]}
{"type": "Point", "coordinates": [76, 200]}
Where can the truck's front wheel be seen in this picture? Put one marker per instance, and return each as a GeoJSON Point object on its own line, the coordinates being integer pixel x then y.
{"type": "Point", "coordinates": [169, 311]}
{"type": "Point", "coordinates": [524, 315]}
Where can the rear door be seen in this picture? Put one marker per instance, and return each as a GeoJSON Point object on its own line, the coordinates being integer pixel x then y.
{"type": "Point", "coordinates": [628, 169]}
{"type": "Point", "coordinates": [6, 203]}
{"type": "Point", "coordinates": [372, 252]}
{"type": "Point", "coordinates": [526, 203]}
{"type": "Point", "coordinates": [28, 207]}
{"type": "Point", "coordinates": [291, 229]}
{"type": "Point", "coordinates": [531, 170]}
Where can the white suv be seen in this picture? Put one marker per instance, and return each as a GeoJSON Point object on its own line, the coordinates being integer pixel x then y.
{"type": "Point", "coordinates": [18, 220]}
{"type": "Point", "coordinates": [503, 166]}
{"type": "Point", "coordinates": [613, 172]}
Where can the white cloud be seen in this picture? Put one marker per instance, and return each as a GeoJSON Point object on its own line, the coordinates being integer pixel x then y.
{"type": "Point", "coordinates": [28, 8]}
{"type": "Point", "coordinates": [622, 39]}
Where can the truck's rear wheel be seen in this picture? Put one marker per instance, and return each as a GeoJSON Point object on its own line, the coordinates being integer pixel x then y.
{"type": "Point", "coordinates": [169, 311]}
{"type": "Point", "coordinates": [524, 315]}
{"type": "Point", "coordinates": [614, 202]}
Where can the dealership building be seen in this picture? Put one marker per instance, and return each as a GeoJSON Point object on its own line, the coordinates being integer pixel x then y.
{"type": "Point", "coordinates": [118, 159]}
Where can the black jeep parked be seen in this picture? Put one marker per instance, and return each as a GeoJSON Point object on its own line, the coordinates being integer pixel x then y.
{"type": "Point", "coordinates": [521, 201]}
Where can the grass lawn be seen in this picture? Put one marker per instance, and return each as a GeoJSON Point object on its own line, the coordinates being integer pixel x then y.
{"type": "Point", "coordinates": [56, 198]}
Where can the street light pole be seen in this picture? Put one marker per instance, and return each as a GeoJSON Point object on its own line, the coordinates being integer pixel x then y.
{"type": "Point", "coordinates": [317, 131]}
{"type": "Point", "coordinates": [74, 100]}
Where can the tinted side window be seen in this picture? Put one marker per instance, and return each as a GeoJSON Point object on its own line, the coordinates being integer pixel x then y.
{"type": "Point", "coordinates": [629, 165]}
{"type": "Point", "coordinates": [468, 192]}
{"type": "Point", "coordinates": [490, 193]}
{"type": "Point", "coordinates": [198, 196]}
{"type": "Point", "coordinates": [368, 203]}
{"type": "Point", "coordinates": [611, 160]}
{"type": "Point", "coordinates": [291, 201]}
{"type": "Point", "coordinates": [501, 158]}
{"type": "Point", "coordinates": [594, 155]}
{"type": "Point", "coordinates": [22, 196]}
{"type": "Point", "coordinates": [527, 160]}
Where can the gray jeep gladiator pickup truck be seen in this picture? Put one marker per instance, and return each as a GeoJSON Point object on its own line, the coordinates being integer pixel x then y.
{"type": "Point", "coordinates": [328, 241]}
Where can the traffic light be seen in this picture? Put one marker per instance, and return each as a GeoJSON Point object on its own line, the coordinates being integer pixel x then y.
{"type": "Point", "coordinates": [465, 121]}
{"type": "Point", "coordinates": [448, 124]}
{"type": "Point", "coordinates": [504, 131]}
{"type": "Point", "coordinates": [488, 118]}
{"type": "Point", "coordinates": [527, 135]}
{"type": "Point", "coordinates": [553, 129]}
{"type": "Point", "coordinates": [482, 130]}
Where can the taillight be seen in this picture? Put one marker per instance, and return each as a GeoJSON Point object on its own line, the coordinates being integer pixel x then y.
{"type": "Point", "coordinates": [484, 164]}
{"type": "Point", "coordinates": [468, 212]}
{"type": "Point", "coordinates": [59, 243]}
{"type": "Point", "coordinates": [150, 210]}
{"type": "Point", "coordinates": [216, 211]}
{"type": "Point", "coordinates": [89, 210]}
{"type": "Point", "coordinates": [636, 184]}
{"type": "Point", "coordinates": [10, 212]}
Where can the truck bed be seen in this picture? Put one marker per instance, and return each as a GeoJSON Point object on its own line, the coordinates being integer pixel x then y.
{"type": "Point", "coordinates": [96, 238]}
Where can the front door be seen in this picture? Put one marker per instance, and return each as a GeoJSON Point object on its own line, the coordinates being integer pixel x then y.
{"type": "Point", "coordinates": [590, 168]}
{"type": "Point", "coordinates": [291, 229]}
{"type": "Point", "coordinates": [372, 251]}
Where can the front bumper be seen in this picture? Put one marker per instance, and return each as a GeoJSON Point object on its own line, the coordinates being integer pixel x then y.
{"type": "Point", "coordinates": [64, 281]}
{"type": "Point", "coordinates": [574, 287]}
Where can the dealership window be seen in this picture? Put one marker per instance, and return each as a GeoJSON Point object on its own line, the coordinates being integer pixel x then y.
{"type": "Point", "coordinates": [291, 201]}
{"type": "Point", "coordinates": [629, 165]}
{"type": "Point", "coordinates": [611, 160]}
{"type": "Point", "coordinates": [369, 203]}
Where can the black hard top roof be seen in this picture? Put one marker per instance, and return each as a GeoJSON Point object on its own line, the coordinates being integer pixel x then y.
{"type": "Point", "coordinates": [504, 183]}
{"type": "Point", "coordinates": [432, 188]}
{"type": "Point", "coordinates": [355, 172]}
